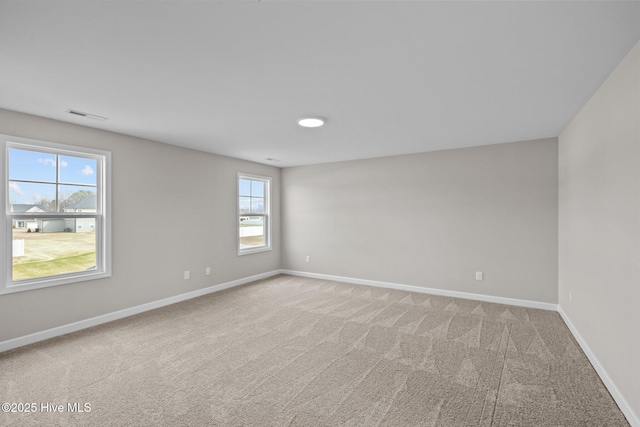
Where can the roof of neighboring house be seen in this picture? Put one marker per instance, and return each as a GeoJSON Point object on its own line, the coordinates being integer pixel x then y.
{"type": "Point", "coordinates": [20, 208]}
{"type": "Point", "coordinates": [88, 202]}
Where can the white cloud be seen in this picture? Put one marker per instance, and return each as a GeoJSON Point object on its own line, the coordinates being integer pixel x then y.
{"type": "Point", "coordinates": [63, 164]}
{"type": "Point", "coordinates": [36, 197]}
{"type": "Point", "coordinates": [87, 170]}
{"type": "Point", "coordinates": [47, 162]}
{"type": "Point", "coordinates": [14, 187]}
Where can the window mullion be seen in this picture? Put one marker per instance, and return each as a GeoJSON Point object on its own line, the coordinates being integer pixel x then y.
{"type": "Point", "coordinates": [57, 181]}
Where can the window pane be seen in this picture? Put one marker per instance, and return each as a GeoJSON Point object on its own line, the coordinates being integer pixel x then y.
{"type": "Point", "coordinates": [77, 170]}
{"type": "Point", "coordinates": [77, 199]}
{"type": "Point", "coordinates": [52, 246]}
{"type": "Point", "coordinates": [257, 205]}
{"type": "Point", "coordinates": [245, 187]}
{"type": "Point", "coordinates": [32, 165]}
{"type": "Point", "coordinates": [257, 188]}
{"type": "Point", "coordinates": [30, 197]}
{"type": "Point", "coordinates": [251, 232]}
{"type": "Point", "coordinates": [245, 204]}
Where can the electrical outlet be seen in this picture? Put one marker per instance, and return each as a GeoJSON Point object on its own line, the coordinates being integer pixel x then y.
{"type": "Point", "coordinates": [186, 275]}
{"type": "Point", "coordinates": [307, 258]}
{"type": "Point", "coordinates": [479, 275]}
{"type": "Point", "coordinates": [208, 271]}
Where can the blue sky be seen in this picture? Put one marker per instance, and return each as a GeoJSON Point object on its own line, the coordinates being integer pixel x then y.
{"type": "Point", "coordinates": [43, 167]}
{"type": "Point", "coordinates": [251, 196]}
{"type": "Point", "coordinates": [251, 188]}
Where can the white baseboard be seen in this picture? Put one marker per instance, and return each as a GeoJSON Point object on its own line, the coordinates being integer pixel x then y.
{"type": "Point", "coordinates": [624, 406]}
{"type": "Point", "coordinates": [432, 291]}
{"type": "Point", "coordinates": [98, 320]}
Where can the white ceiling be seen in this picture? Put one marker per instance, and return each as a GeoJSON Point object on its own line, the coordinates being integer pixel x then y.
{"type": "Point", "coordinates": [391, 77]}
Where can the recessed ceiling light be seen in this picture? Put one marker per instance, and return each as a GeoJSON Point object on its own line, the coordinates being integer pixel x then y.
{"type": "Point", "coordinates": [311, 122]}
{"type": "Point", "coordinates": [271, 159]}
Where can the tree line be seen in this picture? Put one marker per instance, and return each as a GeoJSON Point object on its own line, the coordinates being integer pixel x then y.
{"type": "Point", "coordinates": [49, 205]}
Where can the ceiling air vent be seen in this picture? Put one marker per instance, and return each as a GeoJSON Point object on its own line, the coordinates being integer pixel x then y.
{"type": "Point", "coordinates": [87, 115]}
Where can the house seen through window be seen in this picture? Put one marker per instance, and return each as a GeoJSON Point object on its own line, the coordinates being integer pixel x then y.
{"type": "Point", "coordinates": [56, 208]}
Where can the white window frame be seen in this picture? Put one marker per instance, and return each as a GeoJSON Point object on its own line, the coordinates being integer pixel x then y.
{"type": "Point", "coordinates": [266, 214]}
{"type": "Point", "coordinates": [102, 216]}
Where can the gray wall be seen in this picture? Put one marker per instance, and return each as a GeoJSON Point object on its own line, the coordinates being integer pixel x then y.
{"type": "Point", "coordinates": [599, 225]}
{"type": "Point", "coordinates": [174, 209]}
{"type": "Point", "coordinates": [431, 219]}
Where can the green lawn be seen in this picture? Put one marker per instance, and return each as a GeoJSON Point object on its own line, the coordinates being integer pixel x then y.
{"type": "Point", "coordinates": [28, 270]}
{"type": "Point", "coordinates": [48, 254]}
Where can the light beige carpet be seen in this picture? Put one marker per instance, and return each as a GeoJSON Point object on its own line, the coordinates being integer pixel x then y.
{"type": "Point", "coordinates": [296, 351]}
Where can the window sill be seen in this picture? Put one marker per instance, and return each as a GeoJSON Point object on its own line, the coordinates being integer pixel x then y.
{"type": "Point", "coordinates": [242, 252]}
{"type": "Point", "coordinates": [29, 285]}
